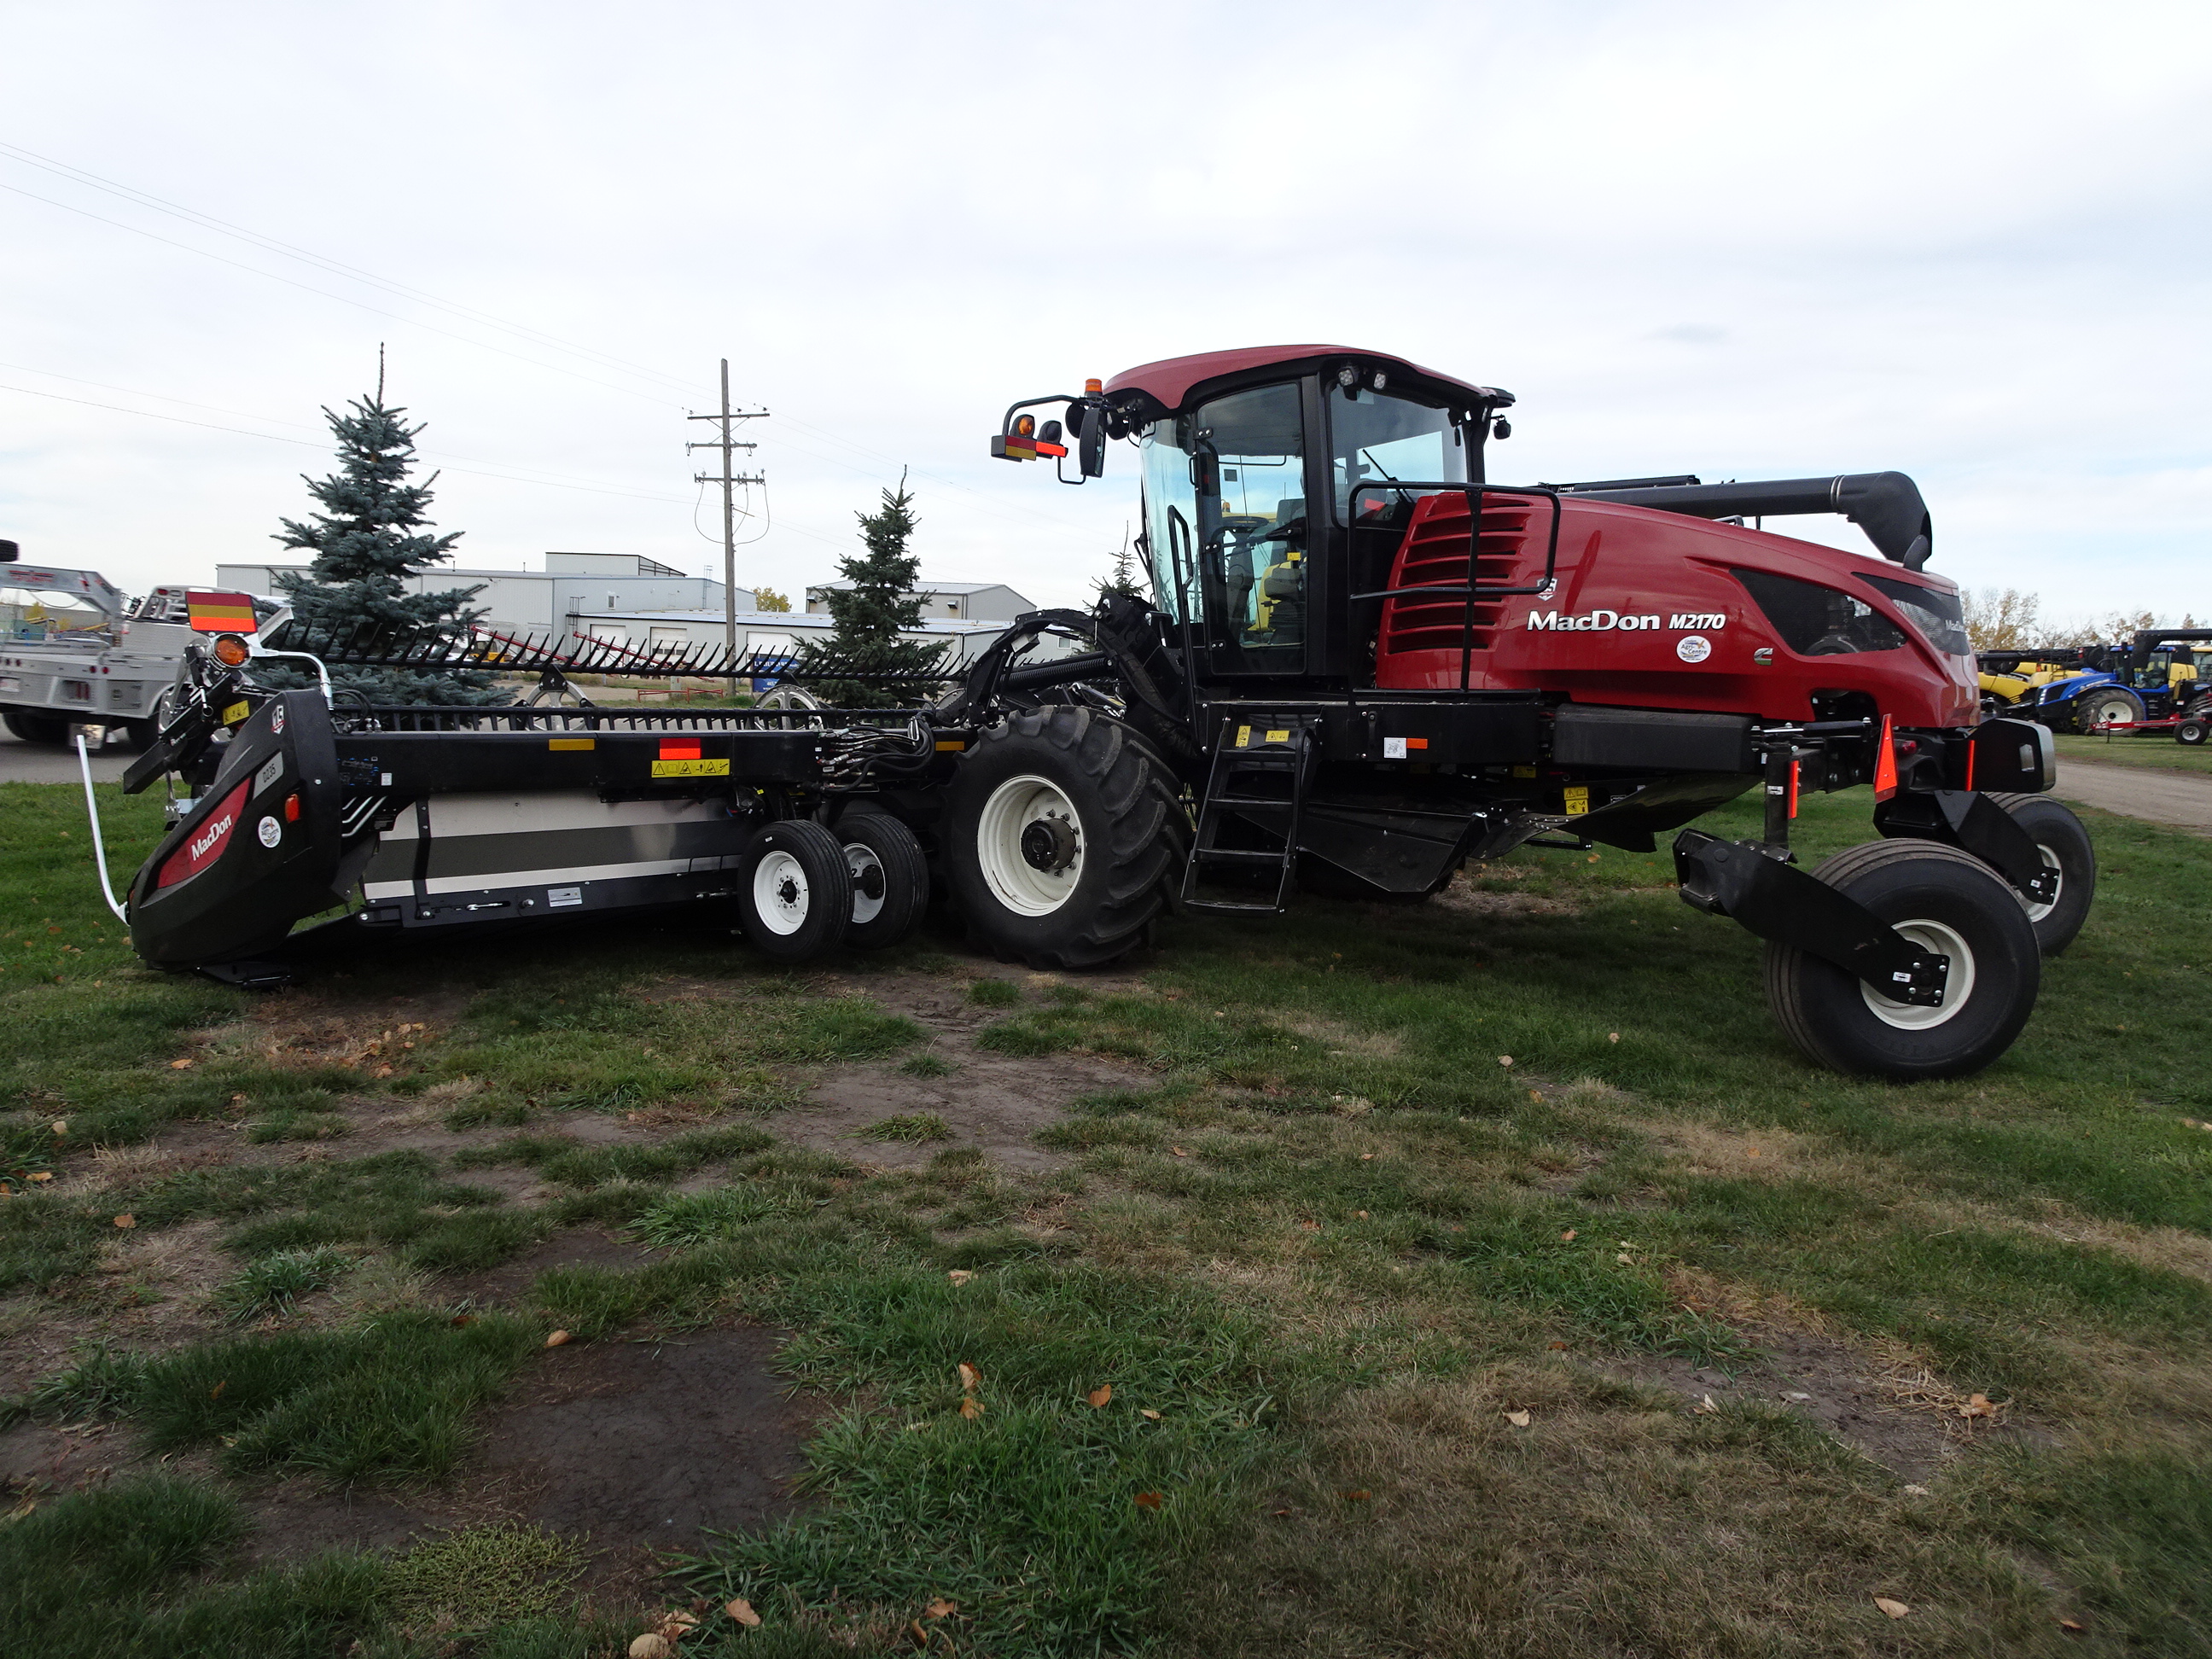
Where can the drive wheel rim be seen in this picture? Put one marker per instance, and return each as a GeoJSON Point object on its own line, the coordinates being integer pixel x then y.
{"type": "Point", "coordinates": [870, 882]}
{"type": "Point", "coordinates": [1943, 939]}
{"type": "Point", "coordinates": [780, 893]}
{"type": "Point", "coordinates": [1029, 841]}
{"type": "Point", "coordinates": [2036, 911]}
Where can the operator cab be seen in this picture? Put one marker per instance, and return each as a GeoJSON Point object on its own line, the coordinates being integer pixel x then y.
{"type": "Point", "coordinates": [1278, 485]}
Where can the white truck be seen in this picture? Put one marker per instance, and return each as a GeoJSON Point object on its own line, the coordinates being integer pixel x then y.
{"type": "Point", "coordinates": [75, 651]}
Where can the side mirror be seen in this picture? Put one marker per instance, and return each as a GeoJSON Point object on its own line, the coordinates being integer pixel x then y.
{"type": "Point", "coordinates": [1090, 446]}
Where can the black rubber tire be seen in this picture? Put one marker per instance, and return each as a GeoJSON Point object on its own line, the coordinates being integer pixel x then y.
{"type": "Point", "coordinates": [2065, 843]}
{"type": "Point", "coordinates": [48, 731]}
{"type": "Point", "coordinates": [1124, 801]}
{"type": "Point", "coordinates": [809, 867]}
{"type": "Point", "coordinates": [1825, 1011]}
{"type": "Point", "coordinates": [891, 877]}
{"type": "Point", "coordinates": [2193, 730]}
{"type": "Point", "coordinates": [2106, 702]}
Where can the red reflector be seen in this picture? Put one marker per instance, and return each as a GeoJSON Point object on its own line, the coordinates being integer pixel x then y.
{"type": "Point", "coordinates": [292, 809]}
{"type": "Point", "coordinates": [1417, 743]}
{"type": "Point", "coordinates": [1970, 764]}
{"type": "Point", "coordinates": [1885, 764]}
{"type": "Point", "coordinates": [1051, 449]}
{"type": "Point", "coordinates": [1793, 787]}
{"type": "Point", "coordinates": [679, 748]}
{"type": "Point", "coordinates": [203, 845]}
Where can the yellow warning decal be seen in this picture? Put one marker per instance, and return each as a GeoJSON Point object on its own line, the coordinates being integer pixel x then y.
{"type": "Point", "coordinates": [572, 743]}
{"type": "Point", "coordinates": [1243, 735]}
{"type": "Point", "coordinates": [236, 711]}
{"type": "Point", "coordinates": [692, 768]}
{"type": "Point", "coordinates": [951, 746]}
{"type": "Point", "coordinates": [1278, 737]}
{"type": "Point", "coordinates": [1578, 801]}
{"type": "Point", "coordinates": [1524, 771]}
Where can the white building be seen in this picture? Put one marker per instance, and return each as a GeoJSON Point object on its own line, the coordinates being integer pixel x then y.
{"type": "Point", "coordinates": [542, 601]}
{"type": "Point", "coordinates": [960, 601]}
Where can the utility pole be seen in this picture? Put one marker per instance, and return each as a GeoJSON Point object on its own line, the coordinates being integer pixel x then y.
{"type": "Point", "coordinates": [729, 478]}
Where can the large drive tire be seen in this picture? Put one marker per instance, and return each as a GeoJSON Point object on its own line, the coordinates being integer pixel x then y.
{"type": "Point", "coordinates": [2094, 710]}
{"type": "Point", "coordinates": [1943, 900]}
{"type": "Point", "coordinates": [891, 877]}
{"type": "Point", "coordinates": [50, 731]}
{"type": "Point", "coordinates": [795, 890]}
{"type": "Point", "coordinates": [1061, 834]}
{"type": "Point", "coordinates": [2065, 844]}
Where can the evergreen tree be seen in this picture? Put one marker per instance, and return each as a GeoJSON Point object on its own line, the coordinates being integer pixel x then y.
{"type": "Point", "coordinates": [370, 534]}
{"type": "Point", "coordinates": [870, 613]}
{"type": "Point", "coordinates": [1123, 577]}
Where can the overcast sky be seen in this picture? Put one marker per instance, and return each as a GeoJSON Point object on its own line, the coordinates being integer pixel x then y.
{"type": "Point", "coordinates": [1969, 242]}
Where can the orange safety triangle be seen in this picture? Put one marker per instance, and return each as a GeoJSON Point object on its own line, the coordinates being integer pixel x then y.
{"type": "Point", "coordinates": [1885, 764]}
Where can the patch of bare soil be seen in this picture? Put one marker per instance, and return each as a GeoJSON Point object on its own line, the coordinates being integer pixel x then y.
{"type": "Point", "coordinates": [637, 1447]}
{"type": "Point", "coordinates": [37, 1459]}
{"type": "Point", "coordinates": [994, 1103]}
{"type": "Point", "coordinates": [1905, 1420]}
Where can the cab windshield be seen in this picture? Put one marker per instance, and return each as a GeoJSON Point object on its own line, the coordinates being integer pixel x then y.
{"type": "Point", "coordinates": [1378, 437]}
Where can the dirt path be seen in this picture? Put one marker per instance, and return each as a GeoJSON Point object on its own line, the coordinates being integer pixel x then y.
{"type": "Point", "coordinates": [2170, 798]}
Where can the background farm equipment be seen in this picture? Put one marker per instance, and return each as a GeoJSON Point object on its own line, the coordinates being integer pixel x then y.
{"type": "Point", "coordinates": [2149, 684]}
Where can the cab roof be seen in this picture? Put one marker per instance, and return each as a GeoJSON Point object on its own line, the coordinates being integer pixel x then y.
{"type": "Point", "coordinates": [1171, 383]}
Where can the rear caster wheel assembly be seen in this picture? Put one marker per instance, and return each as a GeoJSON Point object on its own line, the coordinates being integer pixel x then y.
{"type": "Point", "coordinates": [890, 879]}
{"type": "Point", "coordinates": [795, 890]}
{"type": "Point", "coordinates": [1945, 902]}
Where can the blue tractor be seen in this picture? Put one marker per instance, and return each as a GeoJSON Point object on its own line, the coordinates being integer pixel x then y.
{"type": "Point", "coordinates": [2150, 680]}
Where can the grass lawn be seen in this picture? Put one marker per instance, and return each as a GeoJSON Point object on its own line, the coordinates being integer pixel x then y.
{"type": "Point", "coordinates": [1477, 1278]}
{"type": "Point", "coordinates": [2157, 751]}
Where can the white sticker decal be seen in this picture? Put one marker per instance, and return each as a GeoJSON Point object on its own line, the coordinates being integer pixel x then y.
{"type": "Point", "coordinates": [269, 773]}
{"type": "Point", "coordinates": [277, 718]}
{"type": "Point", "coordinates": [556, 897]}
{"type": "Point", "coordinates": [271, 832]}
{"type": "Point", "coordinates": [1693, 648]}
{"type": "Point", "coordinates": [1393, 749]}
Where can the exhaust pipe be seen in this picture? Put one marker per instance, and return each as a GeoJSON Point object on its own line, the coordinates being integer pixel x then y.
{"type": "Point", "coordinates": [1885, 505]}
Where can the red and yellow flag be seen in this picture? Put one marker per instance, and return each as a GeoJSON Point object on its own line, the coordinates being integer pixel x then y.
{"type": "Point", "coordinates": [221, 613]}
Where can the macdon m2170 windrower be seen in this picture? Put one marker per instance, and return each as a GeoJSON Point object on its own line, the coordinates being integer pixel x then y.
{"type": "Point", "coordinates": [1361, 663]}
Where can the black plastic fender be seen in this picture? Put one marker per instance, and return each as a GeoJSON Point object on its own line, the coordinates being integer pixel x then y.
{"type": "Point", "coordinates": [1970, 821]}
{"type": "Point", "coordinates": [258, 850]}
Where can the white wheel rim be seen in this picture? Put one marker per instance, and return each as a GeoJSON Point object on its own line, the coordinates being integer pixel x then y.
{"type": "Point", "coordinates": [1944, 940]}
{"type": "Point", "coordinates": [2036, 911]}
{"type": "Point", "coordinates": [1017, 807]}
{"type": "Point", "coordinates": [863, 862]}
{"type": "Point", "coordinates": [779, 893]}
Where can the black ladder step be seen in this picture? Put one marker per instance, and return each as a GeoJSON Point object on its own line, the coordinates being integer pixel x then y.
{"type": "Point", "coordinates": [1239, 853]}
{"type": "Point", "coordinates": [1247, 800]}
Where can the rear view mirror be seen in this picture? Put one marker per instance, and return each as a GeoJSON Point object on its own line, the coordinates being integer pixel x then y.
{"type": "Point", "coordinates": [1091, 447]}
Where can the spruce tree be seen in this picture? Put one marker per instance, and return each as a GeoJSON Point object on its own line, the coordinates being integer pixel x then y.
{"type": "Point", "coordinates": [372, 533]}
{"type": "Point", "coordinates": [1123, 577]}
{"type": "Point", "coordinates": [870, 614]}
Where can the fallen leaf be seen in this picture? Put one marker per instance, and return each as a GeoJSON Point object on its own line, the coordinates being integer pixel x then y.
{"type": "Point", "coordinates": [462, 1319]}
{"type": "Point", "coordinates": [42, 1175]}
{"type": "Point", "coordinates": [1284, 1513]}
{"type": "Point", "coordinates": [1152, 1416]}
{"type": "Point", "coordinates": [126, 1220]}
{"type": "Point", "coordinates": [1178, 1152]}
{"type": "Point", "coordinates": [1751, 1152]}
{"type": "Point", "coordinates": [382, 1071]}
{"type": "Point", "coordinates": [1613, 1036]}
{"type": "Point", "coordinates": [216, 1393]}
{"type": "Point", "coordinates": [1505, 1059]}
{"type": "Point", "coordinates": [970, 1407]}
{"type": "Point", "coordinates": [1624, 1259]}
{"type": "Point", "coordinates": [959, 1276]}
{"type": "Point", "coordinates": [1706, 1407]}
{"type": "Point", "coordinates": [1916, 1492]}
{"type": "Point", "coordinates": [1568, 1236]}
{"type": "Point", "coordinates": [1360, 1215]}
{"type": "Point", "coordinates": [1360, 1497]}
{"type": "Point", "coordinates": [2072, 1624]}
{"type": "Point", "coordinates": [970, 1378]}
{"type": "Point", "coordinates": [1147, 1500]}
{"type": "Point", "coordinates": [179, 1064]}
{"type": "Point", "coordinates": [1535, 1095]}
{"type": "Point", "coordinates": [1099, 1395]}
{"type": "Point", "coordinates": [674, 1625]}
{"type": "Point", "coordinates": [1894, 1609]}
{"type": "Point", "coordinates": [1518, 1419]}
{"type": "Point", "coordinates": [556, 1339]}
{"type": "Point", "coordinates": [742, 1611]}
{"type": "Point", "coordinates": [1556, 1346]}
{"type": "Point", "coordinates": [60, 1126]}
{"type": "Point", "coordinates": [940, 1609]}
{"type": "Point", "coordinates": [1310, 1226]}
{"type": "Point", "coordinates": [1977, 1406]}
{"type": "Point", "coordinates": [651, 1645]}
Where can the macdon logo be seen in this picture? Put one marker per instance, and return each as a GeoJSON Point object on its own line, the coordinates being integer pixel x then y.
{"type": "Point", "coordinates": [202, 850]}
{"type": "Point", "coordinates": [1606, 622]}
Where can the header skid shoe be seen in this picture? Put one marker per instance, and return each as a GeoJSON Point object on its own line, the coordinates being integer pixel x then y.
{"type": "Point", "coordinates": [1779, 902]}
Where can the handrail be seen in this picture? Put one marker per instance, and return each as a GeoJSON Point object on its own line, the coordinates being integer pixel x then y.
{"type": "Point", "coordinates": [1475, 588]}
